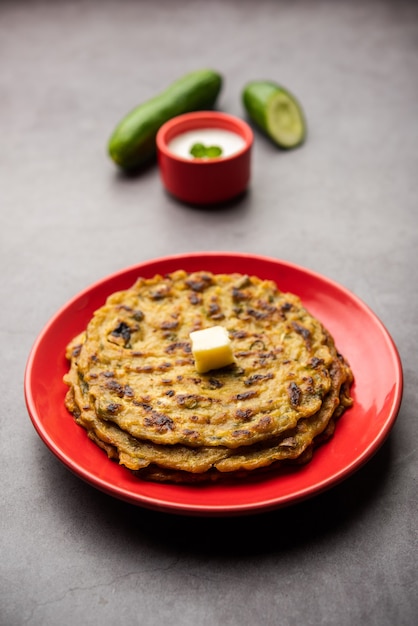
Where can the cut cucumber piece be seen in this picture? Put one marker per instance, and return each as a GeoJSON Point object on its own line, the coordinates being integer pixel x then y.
{"type": "Point", "coordinates": [276, 112]}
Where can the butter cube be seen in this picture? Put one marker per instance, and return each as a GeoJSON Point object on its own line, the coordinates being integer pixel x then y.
{"type": "Point", "coordinates": [211, 348]}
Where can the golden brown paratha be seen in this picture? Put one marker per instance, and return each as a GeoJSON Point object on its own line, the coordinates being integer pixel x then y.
{"type": "Point", "coordinates": [134, 387]}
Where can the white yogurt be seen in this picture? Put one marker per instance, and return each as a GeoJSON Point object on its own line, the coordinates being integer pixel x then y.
{"type": "Point", "coordinates": [229, 142]}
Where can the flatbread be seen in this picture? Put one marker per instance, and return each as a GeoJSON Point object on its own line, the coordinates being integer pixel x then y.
{"type": "Point", "coordinates": [134, 388]}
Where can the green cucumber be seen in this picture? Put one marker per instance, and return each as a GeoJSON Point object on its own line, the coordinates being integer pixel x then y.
{"type": "Point", "coordinates": [276, 112]}
{"type": "Point", "coordinates": [133, 141]}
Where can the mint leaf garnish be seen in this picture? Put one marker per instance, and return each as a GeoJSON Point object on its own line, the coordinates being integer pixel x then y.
{"type": "Point", "coordinates": [213, 151]}
{"type": "Point", "coordinates": [200, 151]}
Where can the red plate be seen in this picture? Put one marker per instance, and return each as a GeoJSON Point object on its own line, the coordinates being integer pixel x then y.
{"type": "Point", "coordinates": [358, 333]}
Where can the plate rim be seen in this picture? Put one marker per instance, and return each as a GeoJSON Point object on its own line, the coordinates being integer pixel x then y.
{"type": "Point", "coordinates": [157, 503]}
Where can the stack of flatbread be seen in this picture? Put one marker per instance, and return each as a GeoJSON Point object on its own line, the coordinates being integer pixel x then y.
{"type": "Point", "coordinates": [134, 387]}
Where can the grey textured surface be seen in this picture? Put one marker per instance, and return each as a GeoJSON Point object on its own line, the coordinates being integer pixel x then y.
{"type": "Point", "coordinates": [344, 205]}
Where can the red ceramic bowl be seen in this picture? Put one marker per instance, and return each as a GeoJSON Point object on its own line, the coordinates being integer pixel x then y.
{"type": "Point", "coordinates": [205, 180]}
